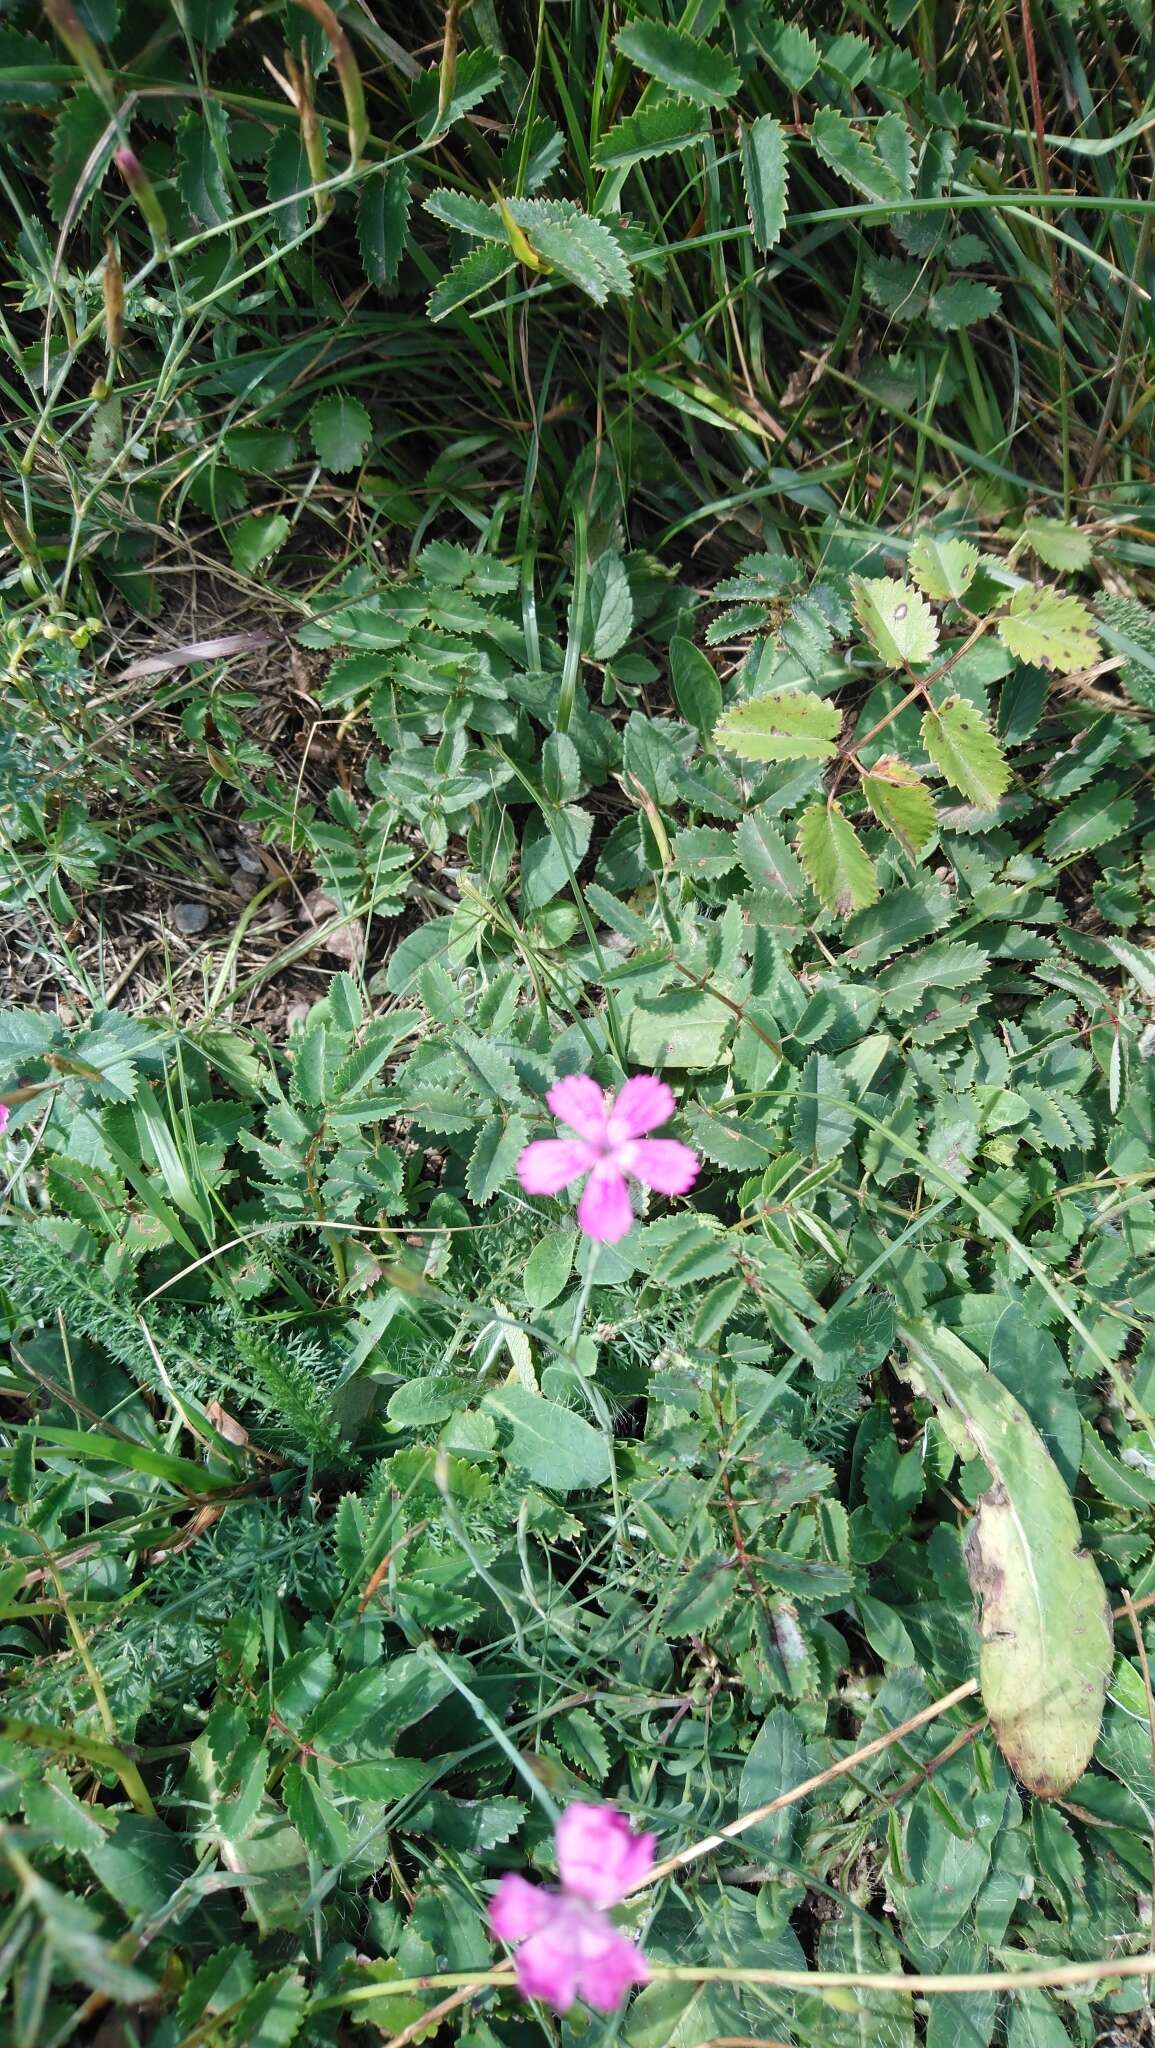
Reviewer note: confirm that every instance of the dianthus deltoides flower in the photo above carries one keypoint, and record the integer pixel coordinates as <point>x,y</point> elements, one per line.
<point>610,1146</point>
<point>568,1947</point>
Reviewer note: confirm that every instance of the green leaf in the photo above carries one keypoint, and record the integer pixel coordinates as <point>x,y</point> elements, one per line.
<point>383,224</point>
<point>548,1267</point>
<point>256,539</point>
<point>494,1156</point>
<point>209,21</point>
<point>1059,544</point>
<point>1129,628</point>
<point>609,608</point>
<point>901,801</point>
<point>1050,630</point>
<point>763,152</point>
<point>696,685</point>
<point>775,1764</point>
<point>341,431</point>
<point>202,144</point>
<point>652,131</point>
<point>680,62</point>
<point>478,272</point>
<point>580,248</point>
<point>287,181</point>
<point>273,2014</point>
<point>788,49</point>
<point>1046,1633</point>
<point>787,725</point>
<point>1094,818</point>
<point>943,568</point>
<point>80,127</point>
<point>1139,963</point>
<point>961,303</point>
<point>557,1448</point>
<point>964,750</point>
<point>856,159</point>
<point>1031,1367</point>
<point>835,861</point>
<point>465,214</point>
<point>897,620</point>
<point>769,863</point>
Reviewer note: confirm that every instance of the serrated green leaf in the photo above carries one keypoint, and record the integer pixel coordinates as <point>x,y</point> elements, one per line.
<point>856,159</point>
<point>896,618</point>
<point>1094,818</point>
<point>383,224</point>
<point>964,750</point>
<point>494,1156</point>
<point>787,725</point>
<point>953,964</point>
<point>272,2015</point>
<point>209,21</point>
<point>768,861</point>
<point>573,243</point>
<point>961,303</point>
<point>696,685</point>
<point>1050,629</point>
<point>943,568</point>
<point>763,151</point>
<point>465,214</point>
<point>341,431</point>
<point>788,49</point>
<point>652,131</point>
<point>609,608</point>
<point>287,181</point>
<point>478,272</point>
<point>1129,629</point>
<point>901,801</point>
<point>82,135</point>
<point>1059,544</point>
<point>835,861</point>
<point>202,143</point>
<point>680,62</point>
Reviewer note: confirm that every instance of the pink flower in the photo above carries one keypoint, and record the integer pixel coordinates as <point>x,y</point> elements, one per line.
<point>569,1947</point>
<point>611,1147</point>
<point>3,1118</point>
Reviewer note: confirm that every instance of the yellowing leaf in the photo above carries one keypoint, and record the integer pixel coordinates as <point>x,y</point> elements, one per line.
<point>963,748</point>
<point>836,862</point>
<point>896,618</point>
<point>901,801</point>
<point>1050,630</point>
<point>1047,1643</point>
<point>943,568</point>
<point>788,725</point>
<point>1058,544</point>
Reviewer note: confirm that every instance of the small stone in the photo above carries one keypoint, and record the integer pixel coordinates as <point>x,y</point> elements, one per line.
<point>190,918</point>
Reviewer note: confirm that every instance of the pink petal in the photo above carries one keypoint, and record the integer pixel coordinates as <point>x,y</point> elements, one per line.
<point>662,1163</point>
<point>547,1966</point>
<point>549,1164</point>
<point>643,1104</point>
<point>3,1117</point>
<point>518,1909</point>
<point>604,1212</point>
<point>603,1980</point>
<point>577,1100</point>
<point>598,1854</point>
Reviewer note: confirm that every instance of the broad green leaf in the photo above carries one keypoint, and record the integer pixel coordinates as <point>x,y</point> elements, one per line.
<point>256,539</point>
<point>897,620</point>
<point>287,182</point>
<point>1046,1632</point>
<point>788,725</point>
<point>964,750</point>
<point>652,131</point>
<point>1099,815</point>
<point>609,608</point>
<point>962,303</point>
<point>901,801</point>
<point>776,1762</point>
<point>1050,629</point>
<point>696,685</point>
<point>549,1266</point>
<point>341,430</point>
<point>383,223</point>
<point>1059,544</point>
<point>680,62</point>
<point>763,151</point>
<point>558,1449</point>
<point>209,21</point>
<point>943,568</point>
<point>835,861</point>
<point>1030,1365</point>
<point>856,159</point>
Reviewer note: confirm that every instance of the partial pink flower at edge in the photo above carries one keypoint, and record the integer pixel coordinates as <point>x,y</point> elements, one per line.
<point>3,1118</point>
<point>611,1147</point>
<point>567,1946</point>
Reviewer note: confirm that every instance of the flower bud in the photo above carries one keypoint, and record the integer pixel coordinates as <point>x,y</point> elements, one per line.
<point>144,192</point>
